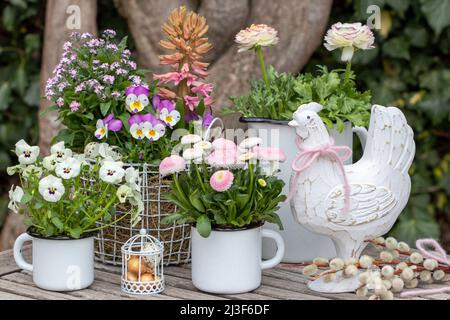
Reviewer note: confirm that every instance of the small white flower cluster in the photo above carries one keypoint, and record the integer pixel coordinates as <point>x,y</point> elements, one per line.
<point>396,269</point>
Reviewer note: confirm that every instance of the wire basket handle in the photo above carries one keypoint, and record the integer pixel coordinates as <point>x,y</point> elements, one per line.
<point>208,130</point>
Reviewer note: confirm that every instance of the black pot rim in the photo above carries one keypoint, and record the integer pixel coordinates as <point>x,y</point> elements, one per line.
<point>34,234</point>
<point>263,120</point>
<point>249,227</point>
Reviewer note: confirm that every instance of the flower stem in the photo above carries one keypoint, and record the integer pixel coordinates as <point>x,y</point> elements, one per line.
<point>199,177</point>
<point>348,70</point>
<point>265,77</point>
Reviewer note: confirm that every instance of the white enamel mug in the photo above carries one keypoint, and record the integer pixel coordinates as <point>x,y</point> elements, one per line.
<point>58,264</point>
<point>229,261</point>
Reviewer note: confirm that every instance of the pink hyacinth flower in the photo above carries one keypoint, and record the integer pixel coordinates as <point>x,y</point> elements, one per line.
<point>202,88</point>
<point>191,102</point>
<point>224,144</point>
<point>269,154</point>
<point>221,180</point>
<point>171,165</point>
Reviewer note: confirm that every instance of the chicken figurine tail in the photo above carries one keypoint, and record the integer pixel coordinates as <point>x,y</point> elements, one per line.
<point>350,203</point>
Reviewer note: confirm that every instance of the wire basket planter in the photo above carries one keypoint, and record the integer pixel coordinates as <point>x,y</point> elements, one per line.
<point>142,267</point>
<point>176,239</point>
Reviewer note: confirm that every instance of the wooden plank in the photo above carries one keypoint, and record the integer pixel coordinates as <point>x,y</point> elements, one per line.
<point>11,296</point>
<point>32,291</point>
<point>279,294</point>
<point>7,263</point>
<point>175,287</point>
<point>87,294</point>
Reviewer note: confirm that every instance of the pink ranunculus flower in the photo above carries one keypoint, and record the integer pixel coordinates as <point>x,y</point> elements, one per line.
<point>221,180</point>
<point>257,35</point>
<point>269,154</point>
<point>349,36</point>
<point>171,165</point>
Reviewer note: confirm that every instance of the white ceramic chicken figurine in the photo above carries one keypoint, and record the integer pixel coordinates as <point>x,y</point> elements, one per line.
<point>379,184</point>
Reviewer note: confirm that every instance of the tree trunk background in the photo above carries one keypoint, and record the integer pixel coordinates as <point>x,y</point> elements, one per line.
<point>55,34</point>
<point>300,23</point>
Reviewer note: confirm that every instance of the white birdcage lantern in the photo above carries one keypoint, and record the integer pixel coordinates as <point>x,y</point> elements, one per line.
<point>142,265</point>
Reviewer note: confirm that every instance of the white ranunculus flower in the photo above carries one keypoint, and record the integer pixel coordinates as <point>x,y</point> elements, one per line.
<point>112,171</point>
<point>60,151</point>
<point>32,171</point>
<point>124,192</point>
<point>51,188</point>
<point>349,36</point>
<point>257,35</point>
<point>68,168</point>
<point>132,178</point>
<point>50,162</point>
<point>15,196</point>
<point>26,153</point>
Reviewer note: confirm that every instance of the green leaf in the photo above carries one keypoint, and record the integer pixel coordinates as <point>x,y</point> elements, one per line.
<point>203,226</point>
<point>437,14</point>
<point>26,198</point>
<point>21,80</point>
<point>75,232</point>
<point>9,17</point>
<point>104,107</point>
<point>397,48</point>
<point>5,93</point>
<point>58,223</point>
<point>194,198</point>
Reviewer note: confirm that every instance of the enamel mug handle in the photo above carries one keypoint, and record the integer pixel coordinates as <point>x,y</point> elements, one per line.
<point>18,257</point>
<point>280,249</point>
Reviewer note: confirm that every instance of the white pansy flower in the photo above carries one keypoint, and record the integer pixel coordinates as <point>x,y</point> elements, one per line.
<point>112,172</point>
<point>51,188</point>
<point>14,169</point>
<point>68,169</point>
<point>137,131</point>
<point>124,192</point>
<point>154,132</point>
<point>349,36</point>
<point>15,196</point>
<point>101,129</point>
<point>257,35</point>
<point>32,171</point>
<point>60,151</point>
<point>110,152</point>
<point>190,139</point>
<point>192,154</point>
<point>170,118</point>
<point>132,178</point>
<point>50,162</point>
<point>26,153</point>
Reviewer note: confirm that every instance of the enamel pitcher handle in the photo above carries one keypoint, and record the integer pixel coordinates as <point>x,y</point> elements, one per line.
<point>18,257</point>
<point>280,249</point>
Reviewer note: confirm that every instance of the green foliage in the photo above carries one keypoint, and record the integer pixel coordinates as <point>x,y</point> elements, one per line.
<point>20,45</point>
<point>245,203</point>
<point>341,100</point>
<point>410,69</point>
<point>81,206</point>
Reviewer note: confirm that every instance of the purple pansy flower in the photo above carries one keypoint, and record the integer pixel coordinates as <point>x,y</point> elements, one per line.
<point>207,119</point>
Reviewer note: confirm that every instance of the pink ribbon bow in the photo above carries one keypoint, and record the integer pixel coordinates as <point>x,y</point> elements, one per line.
<point>306,157</point>
<point>431,249</point>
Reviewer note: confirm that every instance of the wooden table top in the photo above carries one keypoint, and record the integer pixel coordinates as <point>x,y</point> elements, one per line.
<point>281,283</point>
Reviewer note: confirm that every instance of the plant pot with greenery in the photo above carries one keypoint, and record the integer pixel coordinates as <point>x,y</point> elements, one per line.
<point>269,106</point>
<point>64,197</point>
<point>226,196</point>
